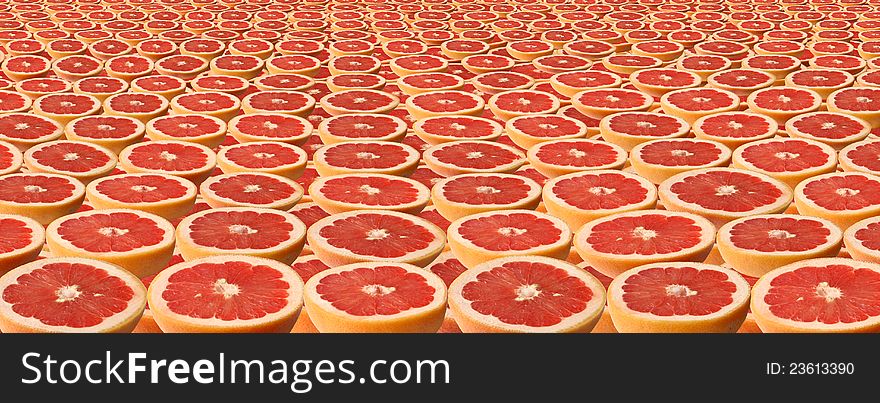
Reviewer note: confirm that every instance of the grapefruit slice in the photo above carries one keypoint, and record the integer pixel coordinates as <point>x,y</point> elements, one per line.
<point>658,81</point>
<point>468,156</point>
<point>355,81</point>
<point>658,160</point>
<point>466,194</point>
<point>529,130</point>
<point>598,103</point>
<point>529,50</point>
<point>742,82</point>
<point>629,129</point>
<point>78,296</point>
<point>263,233</point>
<point>724,194</point>
<point>666,51</point>
<point>184,67</point>
<point>843,198</point>
<point>348,192</point>
<point>63,108</point>
<point>758,244</point>
<point>378,297</point>
<point>272,157</point>
<point>382,157</point>
<point>581,197</point>
<point>838,130</point>
<point>361,127</point>
<point>359,101</point>
<point>33,88</point>
<point>693,103</point>
<point>226,294</point>
<point>80,160</point>
<point>139,242</point>
<point>211,103</point>
<point>40,196</point>
<point>526,294</point>
<point>510,104</point>
<point>229,84</point>
<point>190,161</point>
<point>21,241</point>
<point>862,156</point>
<point>251,189</point>
<point>100,87</point>
<point>167,196</point>
<point>786,159</point>
<point>824,82</point>
<point>375,236</point>
<point>734,129</point>
<point>270,127</point>
<point>442,129</point>
<point>628,64</point>
<point>245,66</point>
<point>622,241</point>
<point>167,87</point>
<point>414,84</point>
<point>829,295</point>
<point>783,103</point>
<point>560,157</point>
<point>24,130</point>
<point>142,106</point>
<point>11,158</point>
<point>444,103</point>
<point>703,65</point>
<point>17,101</point>
<point>570,83</point>
<point>18,68</point>
<point>678,298</point>
<point>861,240</point>
<point>555,64</point>
<point>206,130</point>
<point>478,238</point>
<point>406,65</point>
<point>501,81</point>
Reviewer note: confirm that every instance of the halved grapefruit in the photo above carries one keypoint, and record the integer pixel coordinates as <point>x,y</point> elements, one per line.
<point>375,236</point>
<point>693,103</point>
<point>24,130</point>
<point>861,240</point>
<point>206,130</point>
<point>366,157</point>
<point>444,103</point>
<point>598,103</point>
<point>212,103</point>
<point>560,157</point>
<point>757,244</point>
<point>467,194</point>
<point>658,160</point>
<point>678,298</point>
<point>843,198</point>
<point>190,161</point>
<point>11,158</point>
<point>629,129</point>
<point>529,130</point>
<point>734,129</point>
<point>273,157</point>
<point>481,237</point>
<point>361,127</point>
<point>167,196</point>
<point>510,104</point>
<point>251,189</point>
<point>836,129</point>
<point>359,101</point>
<point>41,196</point>
<point>139,242</point>
<point>142,106</point>
<point>257,232</point>
<point>63,108</point>
<point>21,241</point>
<point>526,294</point>
<point>80,160</point>
<point>226,294</point>
<point>70,295</point>
<point>619,242</point>
<point>724,194</point>
<point>862,156</point>
<point>581,197</point>
<point>443,129</point>
<point>469,156</point>
<point>270,127</point>
<point>828,295</point>
<point>378,297</point>
<point>790,160</point>
<point>783,103</point>
<point>348,192</point>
